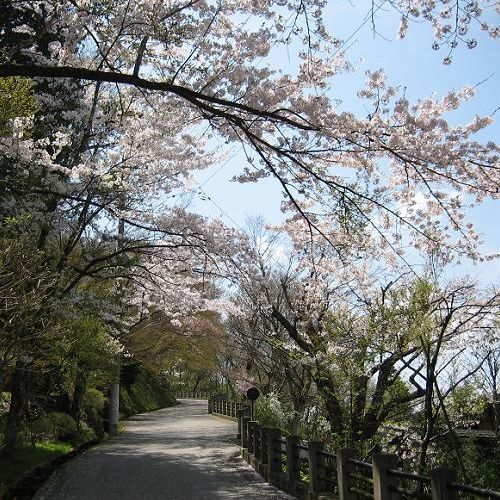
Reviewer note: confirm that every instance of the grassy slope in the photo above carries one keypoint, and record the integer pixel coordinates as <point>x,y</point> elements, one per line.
<point>28,458</point>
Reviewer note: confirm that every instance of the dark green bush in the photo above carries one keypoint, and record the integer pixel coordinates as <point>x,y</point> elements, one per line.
<point>93,405</point>
<point>63,425</point>
<point>51,426</point>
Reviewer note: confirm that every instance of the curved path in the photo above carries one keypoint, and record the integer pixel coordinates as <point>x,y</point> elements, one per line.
<point>174,453</point>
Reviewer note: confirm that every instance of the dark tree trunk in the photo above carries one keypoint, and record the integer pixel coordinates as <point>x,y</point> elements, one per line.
<point>332,404</point>
<point>3,375</point>
<point>78,394</point>
<point>198,380</point>
<point>298,389</point>
<point>358,406</point>
<point>18,398</point>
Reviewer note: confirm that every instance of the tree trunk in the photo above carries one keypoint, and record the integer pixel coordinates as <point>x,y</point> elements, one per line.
<point>332,404</point>
<point>78,394</point>
<point>3,373</point>
<point>198,380</point>
<point>298,389</point>
<point>19,392</point>
<point>359,389</point>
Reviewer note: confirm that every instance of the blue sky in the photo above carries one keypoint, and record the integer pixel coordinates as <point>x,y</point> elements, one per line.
<point>410,63</point>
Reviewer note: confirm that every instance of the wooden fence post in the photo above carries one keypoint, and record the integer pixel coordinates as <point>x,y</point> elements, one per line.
<point>257,445</point>
<point>316,481</point>
<point>239,416</point>
<point>273,457</point>
<point>263,444</point>
<point>382,480</point>
<point>244,431</point>
<point>343,470</point>
<point>210,405</point>
<point>250,432</point>
<point>261,452</point>
<point>292,462</point>
<point>243,412</point>
<point>439,484</point>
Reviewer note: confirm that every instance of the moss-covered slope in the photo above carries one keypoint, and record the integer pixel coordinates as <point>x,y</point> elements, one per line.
<point>142,390</point>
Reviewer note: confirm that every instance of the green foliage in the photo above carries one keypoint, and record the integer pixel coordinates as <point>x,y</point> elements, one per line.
<point>314,426</point>
<point>160,346</point>
<point>84,341</point>
<point>148,392</point>
<point>397,390</point>
<point>465,407</point>
<point>480,457</point>
<point>94,400</point>
<point>17,99</point>
<point>52,426</point>
<point>83,435</point>
<point>39,430</point>
<point>62,424</point>
<point>482,463</point>
<point>270,411</point>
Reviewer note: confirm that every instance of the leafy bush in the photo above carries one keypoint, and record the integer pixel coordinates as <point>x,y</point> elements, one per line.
<point>39,430</point>
<point>94,400</point>
<point>482,463</point>
<point>63,425</point>
<point>93,405</point>
<point>270,411</point>
<point>83,435</point>
<point>51,426</point>
<point>314,426</point>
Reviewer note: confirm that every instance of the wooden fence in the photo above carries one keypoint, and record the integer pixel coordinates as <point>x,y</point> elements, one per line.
<point>192,395</point>
<point>226,408</point>
<point>310,471</point>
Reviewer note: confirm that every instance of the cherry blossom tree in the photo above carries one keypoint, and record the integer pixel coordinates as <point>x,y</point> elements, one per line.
<point>77,201</point>
<point>133,98</point>
<point>454,23</point>
<point>195,68</point>
<point>374,340</point>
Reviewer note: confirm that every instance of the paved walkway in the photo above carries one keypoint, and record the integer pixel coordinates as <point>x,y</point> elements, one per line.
<point>174,453</point>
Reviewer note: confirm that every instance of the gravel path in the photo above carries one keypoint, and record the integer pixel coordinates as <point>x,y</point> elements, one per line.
<point>174,453</point>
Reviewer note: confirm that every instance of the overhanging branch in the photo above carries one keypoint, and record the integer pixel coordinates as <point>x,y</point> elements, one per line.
<point>194,97</point>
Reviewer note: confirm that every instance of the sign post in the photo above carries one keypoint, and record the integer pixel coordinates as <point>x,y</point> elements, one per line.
<point>252,394</point>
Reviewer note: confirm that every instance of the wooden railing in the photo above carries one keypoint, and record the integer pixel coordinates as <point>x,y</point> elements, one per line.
<point>311,471</point>
<point>192,395</point>
<point>226,408</point>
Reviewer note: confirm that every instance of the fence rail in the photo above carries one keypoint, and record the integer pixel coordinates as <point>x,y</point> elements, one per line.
<point>310,471</point>
<point>192,395</point>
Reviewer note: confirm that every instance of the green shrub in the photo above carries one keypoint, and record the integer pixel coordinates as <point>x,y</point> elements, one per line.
<point>51,426</point>
<point>83,435</point>
<point>93,400</point>
<point>63,425</point>
<point>93,405</point>
<point>270,411</point>
<point>39,430</point>
<point>313,425</point>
